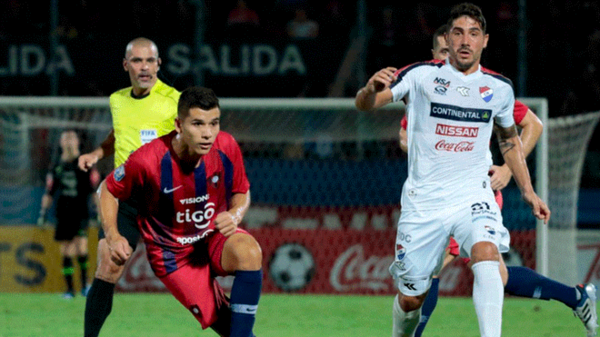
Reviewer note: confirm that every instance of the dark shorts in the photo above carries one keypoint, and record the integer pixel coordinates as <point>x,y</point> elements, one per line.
<point>126,224</point>
<point>67,229</point>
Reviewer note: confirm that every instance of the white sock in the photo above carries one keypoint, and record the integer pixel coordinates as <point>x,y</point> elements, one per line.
<point>405,323</point>
<point>488,297</point>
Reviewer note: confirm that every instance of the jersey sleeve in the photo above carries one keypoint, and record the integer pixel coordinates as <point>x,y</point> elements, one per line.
<point>520,111</point>
<point>505,118</point>
<point>123,180</point>
<point>403,84</point>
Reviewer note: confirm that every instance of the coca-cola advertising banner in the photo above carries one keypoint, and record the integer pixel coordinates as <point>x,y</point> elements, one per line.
<point>344,260</point>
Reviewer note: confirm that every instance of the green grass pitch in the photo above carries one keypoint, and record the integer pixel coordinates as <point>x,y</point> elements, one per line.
<point>148,315</point>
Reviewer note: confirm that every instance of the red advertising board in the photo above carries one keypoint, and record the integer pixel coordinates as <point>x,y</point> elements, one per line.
<point>350,258</point>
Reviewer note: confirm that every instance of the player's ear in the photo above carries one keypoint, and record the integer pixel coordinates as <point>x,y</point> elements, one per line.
<point>159,61</point>
<point>125,65</point>
<point>178,125</point>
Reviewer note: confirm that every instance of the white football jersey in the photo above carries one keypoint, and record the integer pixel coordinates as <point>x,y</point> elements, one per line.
<point>450,121</point>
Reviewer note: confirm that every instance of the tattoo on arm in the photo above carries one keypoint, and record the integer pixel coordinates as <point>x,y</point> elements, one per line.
<point>504,138</point>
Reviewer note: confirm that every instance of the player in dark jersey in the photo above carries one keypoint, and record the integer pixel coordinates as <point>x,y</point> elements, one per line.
<point>71,188</point>
<point>192,192</point>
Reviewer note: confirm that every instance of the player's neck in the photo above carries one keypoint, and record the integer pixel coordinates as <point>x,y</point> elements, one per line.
<point>473,68</point>
<point>140,92</point>
<point>187,157</point>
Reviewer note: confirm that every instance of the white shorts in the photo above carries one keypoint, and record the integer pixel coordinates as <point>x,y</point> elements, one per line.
<point>423,236</point>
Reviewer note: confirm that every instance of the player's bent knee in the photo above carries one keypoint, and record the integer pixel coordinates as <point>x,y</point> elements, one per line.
<point>484,251</point>
<point>411,303</point>
<point>241,252</point>
<point>107,270</point>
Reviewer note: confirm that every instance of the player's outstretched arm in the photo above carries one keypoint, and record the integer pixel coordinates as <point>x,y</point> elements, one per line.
<point>86,161</point>
<point>377,92</point>
<point>512,151</point>
<point>118,246</point>
<point>532,128</point>
<point>227,222</point>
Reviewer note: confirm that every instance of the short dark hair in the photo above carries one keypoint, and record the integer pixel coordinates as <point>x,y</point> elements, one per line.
<point>196,97</point>
<point>439,32</point>
<point>470,10</point>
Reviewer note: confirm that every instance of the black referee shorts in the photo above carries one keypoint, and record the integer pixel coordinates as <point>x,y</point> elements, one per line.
<point>126,224</point>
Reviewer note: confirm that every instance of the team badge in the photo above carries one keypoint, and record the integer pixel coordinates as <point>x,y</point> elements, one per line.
<point>490,230</point>
<point>400,252</point>
<point>486,93</point>
<point>214,180</point>
<point>119,173</point>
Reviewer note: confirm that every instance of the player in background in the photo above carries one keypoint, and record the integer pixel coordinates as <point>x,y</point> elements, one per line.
<point>71,188</point>
<point>140,113</point>
<point>447,192</point>
<point>518,281</point>
<point>192,192</point>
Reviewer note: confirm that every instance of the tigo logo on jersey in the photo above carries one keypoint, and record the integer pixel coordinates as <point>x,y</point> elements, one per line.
<point>400,252</point>
<point>486,93</point>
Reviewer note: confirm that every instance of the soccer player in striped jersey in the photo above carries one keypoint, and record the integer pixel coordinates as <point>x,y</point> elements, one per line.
<point>191,191</point>
<point>517,280</point>
<point>452,107</point>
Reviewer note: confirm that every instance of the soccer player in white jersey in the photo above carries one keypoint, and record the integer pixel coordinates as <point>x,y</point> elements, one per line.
<point>518,280</point>
<point>452,107</point>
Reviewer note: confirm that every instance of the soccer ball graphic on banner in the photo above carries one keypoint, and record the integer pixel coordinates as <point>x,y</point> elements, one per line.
<point>292,267</point>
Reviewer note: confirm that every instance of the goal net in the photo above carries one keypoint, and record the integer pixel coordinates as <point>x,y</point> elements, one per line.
<point>568,139</point>
<point>326,181</point>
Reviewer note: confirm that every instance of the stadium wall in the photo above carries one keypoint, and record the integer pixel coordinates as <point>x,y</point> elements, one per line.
<point>348,252</point>
<point>30,260</point>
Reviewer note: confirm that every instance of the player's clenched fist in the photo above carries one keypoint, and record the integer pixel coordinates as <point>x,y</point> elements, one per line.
<point>119,249</point>
<point>382,79</point>
<point>86,161</point>
<point>226,223</point>
<point>538,207</point>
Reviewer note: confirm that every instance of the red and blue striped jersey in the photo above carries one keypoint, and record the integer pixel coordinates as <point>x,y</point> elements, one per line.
<point>177,208</point>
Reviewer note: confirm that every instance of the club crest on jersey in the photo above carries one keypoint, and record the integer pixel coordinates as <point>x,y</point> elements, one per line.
<point>119,173</point>
<point>400,252</point>
<point>490,230</point>
<point>214,180</point>
<point>486,93</point>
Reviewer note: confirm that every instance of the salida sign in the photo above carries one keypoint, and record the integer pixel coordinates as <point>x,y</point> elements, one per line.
<point>30,59</point>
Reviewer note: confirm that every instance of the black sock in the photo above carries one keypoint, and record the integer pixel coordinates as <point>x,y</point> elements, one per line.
<point>67,272</point>
<point>83,266</point>
<point>97,306</point>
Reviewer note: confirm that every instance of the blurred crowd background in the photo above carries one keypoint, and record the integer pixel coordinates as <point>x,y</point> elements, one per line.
<point>562,37</point>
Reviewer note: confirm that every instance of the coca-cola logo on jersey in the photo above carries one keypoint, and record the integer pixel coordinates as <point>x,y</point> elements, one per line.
<point>463,146</point>
<point>353,271</point>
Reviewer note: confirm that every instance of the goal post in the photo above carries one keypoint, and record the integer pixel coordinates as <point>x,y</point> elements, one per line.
<point>292,139</point>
